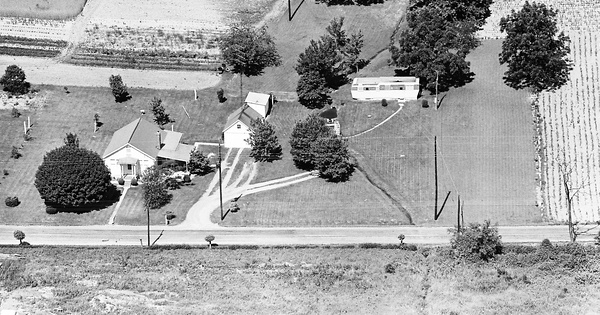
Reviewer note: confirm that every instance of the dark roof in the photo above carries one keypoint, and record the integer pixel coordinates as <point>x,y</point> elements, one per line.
<point>244,114</point>
<point>330,113</point>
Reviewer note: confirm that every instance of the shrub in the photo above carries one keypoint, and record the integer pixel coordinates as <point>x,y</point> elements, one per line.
<point>209,239</point>
<point>384,102</point>
<point>134,182</point>
<point>15,112</point>
<point>172,183</point>
<point>389,268</point>
<point>220,96</point>
<point>476,241</point>
<point>12,201</point>
<point>14,153</point>
<point>19,235</point>
<point>51,210</point>
<point>121,181</point>
<point>170,216</point>
<point>546,243</point>
<point>401,238</point>
<point>369,245</point>
<point>5,172</point>
<point>424,103</point>
<point>186,178</point>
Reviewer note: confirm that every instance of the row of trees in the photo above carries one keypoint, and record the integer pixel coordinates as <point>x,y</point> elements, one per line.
<point>325,64</point>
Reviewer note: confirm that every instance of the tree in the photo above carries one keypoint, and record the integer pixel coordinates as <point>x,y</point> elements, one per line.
<point>476,241</point>
<point>263,142</point>
<point>322,57</point>
<point>19,235</point>
<point>72,140</point>
<point>119,89</point>
<point>313,91</point>
<point>14,82</point>
<point>351,53</point>
<point>435,45</point>
<point>154,189</point>
<point>209,239</point>
<point>331,158</point>
<point>462,10</point>
<point>536,54</point>
<point>70,176</point>
<point>304,134</point>
<point>15,153</point>
<point>199,163</point>
<point>161,118</point>
<point>248,51</point>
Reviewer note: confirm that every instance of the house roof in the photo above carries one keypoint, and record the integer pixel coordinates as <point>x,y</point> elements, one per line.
<point>330,113</point>
<point>257,98</point>
<point>180,153</point>
<point>244,114</point>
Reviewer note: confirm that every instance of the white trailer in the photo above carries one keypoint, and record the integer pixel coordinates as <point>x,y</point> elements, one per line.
<point>385,88</point>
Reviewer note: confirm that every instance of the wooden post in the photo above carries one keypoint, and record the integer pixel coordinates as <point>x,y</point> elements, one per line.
<point>28,122</point>
<point>195,95</point>
<point>458,215</point>
<point>148,217</point>
<point>24,127</point>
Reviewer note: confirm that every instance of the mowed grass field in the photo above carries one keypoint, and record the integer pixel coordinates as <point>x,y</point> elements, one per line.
<point>42,9</point>
<point>74,112</point>
<point>319,280</point>
<point>485,150</point>
<point>376,22</point>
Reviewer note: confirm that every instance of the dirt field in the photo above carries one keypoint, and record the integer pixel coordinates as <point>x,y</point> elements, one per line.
<point>47,71</point>
<point>42,9</point>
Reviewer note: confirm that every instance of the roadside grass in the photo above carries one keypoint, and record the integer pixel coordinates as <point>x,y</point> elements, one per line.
<point>74,112</point>
<point>356,117</point>
<point>485,150</point>
<point>47,9</point>
<point>317,203</point>
<point>323,279</point>
<point>376,22</point>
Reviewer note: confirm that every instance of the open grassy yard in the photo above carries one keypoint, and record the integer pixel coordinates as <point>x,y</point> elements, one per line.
<point>74,112</point>
<point>376,22</point>
<point>42,9</point>
<point>485,150</point>
<point>318,280</point>
<point>317,203</point>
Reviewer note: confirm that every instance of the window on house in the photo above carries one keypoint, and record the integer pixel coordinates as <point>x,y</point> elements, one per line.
<point>354,88</point>
<point>384,87</point>
<point>397,87</point>
<point>239,126</point>
<point>129,167</point>
<point>370,88</point>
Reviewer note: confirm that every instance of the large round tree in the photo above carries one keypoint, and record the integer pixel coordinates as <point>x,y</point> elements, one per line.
<point>13,80</point>
<point>71,176</point>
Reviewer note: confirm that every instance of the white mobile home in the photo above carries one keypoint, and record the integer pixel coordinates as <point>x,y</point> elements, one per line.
<point>385,88</point>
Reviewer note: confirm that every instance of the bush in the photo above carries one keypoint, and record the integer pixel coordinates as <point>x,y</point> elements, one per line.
<point>424,103</point>
<point>170,216</point>
<point>5,172</point>
<point>389,268</point>
<point>546,243</point>
<point>134,182</point>
<point>384,102</point>
<point>121,181</point>
<point>220,96</point>
<point>15,113</point>
<point>51,210</point>
<point>172,183</point>
<point>476,241</point>
<point>14,153</point>
<point>186,178</point>
<point>12,201</point>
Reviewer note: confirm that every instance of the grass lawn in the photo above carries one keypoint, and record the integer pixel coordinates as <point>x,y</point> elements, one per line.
<point>484,132</point>
<point>319,280</point>
<point>74,112</point>
<point>376,22</point>
<point>317,203</point>
<point>42,9</point>
<point>132,210</point>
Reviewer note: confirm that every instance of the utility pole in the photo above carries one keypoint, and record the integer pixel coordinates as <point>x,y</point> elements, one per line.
<point>437,74</point>
<point>436,175</point>
<point>220,185</point>
<point>458,215</point>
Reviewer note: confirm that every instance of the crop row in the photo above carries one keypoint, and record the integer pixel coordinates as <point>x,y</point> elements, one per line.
<point>30,52</point>
<point>123,61</point>
<point>24,41</point>
<point>570,136</point>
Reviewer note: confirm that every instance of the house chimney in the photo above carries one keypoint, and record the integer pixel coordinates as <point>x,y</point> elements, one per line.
<point>159,139</point>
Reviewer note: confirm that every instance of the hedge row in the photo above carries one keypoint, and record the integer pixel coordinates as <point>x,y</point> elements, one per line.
<point>18,51</point>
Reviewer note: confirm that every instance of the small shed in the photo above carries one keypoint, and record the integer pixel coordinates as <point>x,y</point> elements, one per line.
<point>237,128</point>
<point>260,102</point>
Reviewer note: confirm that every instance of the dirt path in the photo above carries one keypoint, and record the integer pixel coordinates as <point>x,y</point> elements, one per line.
<point>49,71</point>
<point>77,31</point>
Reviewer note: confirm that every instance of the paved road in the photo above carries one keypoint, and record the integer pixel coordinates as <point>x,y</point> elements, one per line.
<point>127,235</point>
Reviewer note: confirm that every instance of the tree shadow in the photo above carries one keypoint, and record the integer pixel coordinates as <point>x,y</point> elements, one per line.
<point>111,197</point>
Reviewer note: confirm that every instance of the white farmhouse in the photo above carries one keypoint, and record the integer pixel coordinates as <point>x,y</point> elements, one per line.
<point>385,88</point>
<point>141,144</point>
<point>238,126</point>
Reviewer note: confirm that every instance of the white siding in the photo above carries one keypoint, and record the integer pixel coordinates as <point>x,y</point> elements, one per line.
<point>112,161</point>
<point>234,137</point>
<point>261,109</point>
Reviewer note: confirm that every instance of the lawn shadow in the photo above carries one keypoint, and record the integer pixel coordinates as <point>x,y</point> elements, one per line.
<point>111,197</point>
